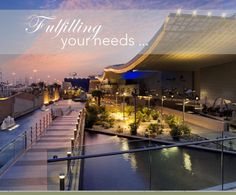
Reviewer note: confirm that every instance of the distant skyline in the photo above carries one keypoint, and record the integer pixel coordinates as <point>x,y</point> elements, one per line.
<point>84,62</point>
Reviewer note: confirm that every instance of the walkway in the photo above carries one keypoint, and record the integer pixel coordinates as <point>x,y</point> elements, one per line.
<point>31,171</point>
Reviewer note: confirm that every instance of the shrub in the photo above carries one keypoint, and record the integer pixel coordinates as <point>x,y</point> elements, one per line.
<point>175,133</point>
<point>129,110</point>
<point>155,114</point>
<point>104,118</point>
<point>91,116</point>
<point>185,130</point>
<point>139,116</point>
<point>133,128</point>
<point>101,109</point>
<point>178,131</point>
<point>146,111</point>
<point>172,120</point>
<point>119,129</point>
<point>155,128</point>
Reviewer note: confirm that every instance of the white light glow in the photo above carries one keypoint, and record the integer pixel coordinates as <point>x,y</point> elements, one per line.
<point>209,14</point>
<point>194,12</point>
<point>179,11</point>
<point>14,127</point>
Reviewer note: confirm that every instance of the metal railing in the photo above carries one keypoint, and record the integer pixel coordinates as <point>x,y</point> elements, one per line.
<point>69,176</point>
<point>150,148</point>
<point>13,150</point>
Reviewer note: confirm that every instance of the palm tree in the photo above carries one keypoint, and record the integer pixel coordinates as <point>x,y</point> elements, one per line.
<point>98,94</point>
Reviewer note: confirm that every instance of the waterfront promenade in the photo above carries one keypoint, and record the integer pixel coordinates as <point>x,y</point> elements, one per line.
<point>31,171</point>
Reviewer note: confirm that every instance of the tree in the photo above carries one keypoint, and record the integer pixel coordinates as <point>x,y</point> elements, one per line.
<point>98,94</point>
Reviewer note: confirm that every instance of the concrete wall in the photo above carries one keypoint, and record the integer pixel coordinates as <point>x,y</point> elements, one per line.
<point>19,105</point>
<point>218,81</point>
<point>6,108</point>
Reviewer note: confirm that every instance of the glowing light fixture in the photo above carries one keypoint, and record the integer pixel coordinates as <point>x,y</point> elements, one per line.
<point>223,15</point>
<point>194,12</point>
<point>179,11</point>
<point>209,14</point>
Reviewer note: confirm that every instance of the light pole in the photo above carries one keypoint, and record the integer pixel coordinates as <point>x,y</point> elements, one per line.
<point>123,105</point>
<point>163,98</point>
<point>48,78</point>
<point>196,101</point>
<point>135,94</point>
<point>31,80</point>
<point>117,93</point>
<point>185,101</point>
<point>149,100</point>
<point>35,71</point>
<point>13,78</point>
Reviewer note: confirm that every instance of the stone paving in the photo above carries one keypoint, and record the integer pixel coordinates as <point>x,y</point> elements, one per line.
<point>31,172</point>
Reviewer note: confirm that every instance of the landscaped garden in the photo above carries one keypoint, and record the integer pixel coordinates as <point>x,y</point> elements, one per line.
<point>150,122</point>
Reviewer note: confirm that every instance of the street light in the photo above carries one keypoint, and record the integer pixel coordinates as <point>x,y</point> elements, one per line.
<point>185,101</point>
<point>123,105</point>
<point>149,100</point>
<point>14,78</point>
<point>117,93</point>
<point>163,98</point>
<point>31,80</point>
<point>135,94</point>
<point>35,71</point>
<point>48,78</point>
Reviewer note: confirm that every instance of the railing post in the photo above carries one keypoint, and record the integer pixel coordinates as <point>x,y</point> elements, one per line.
<point>72,144</point>
<point>25,137</point>
<point>62,181</point>
<point>40,127</point>
<point>75,133</point>
<point>31,134</point>
<point>36,131</point>
<point>68,162</point>
<point>46,121</point>
<point>222,162</point>
<point>44,125</point>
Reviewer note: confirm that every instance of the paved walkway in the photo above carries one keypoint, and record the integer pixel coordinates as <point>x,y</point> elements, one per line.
<point>31,171</point>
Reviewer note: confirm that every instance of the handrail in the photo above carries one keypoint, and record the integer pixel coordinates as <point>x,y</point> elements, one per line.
<point>18,136</point>
<point>139,150</point>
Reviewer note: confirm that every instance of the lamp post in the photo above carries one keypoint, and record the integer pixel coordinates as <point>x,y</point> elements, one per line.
<point>13,78</point>
<point>135,94</point>
<point>117,93</point>
<point>48,78</point>
<point>195,102</point>
<point>163,98</point>
<point>62,181</point>
<point>123,105</point>
<point>35,71</point>
<point>185,101</point>
<point>149,100</point>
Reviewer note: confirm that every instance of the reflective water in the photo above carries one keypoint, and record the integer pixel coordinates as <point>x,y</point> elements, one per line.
<point>24,122</point>
<point>167,169</point>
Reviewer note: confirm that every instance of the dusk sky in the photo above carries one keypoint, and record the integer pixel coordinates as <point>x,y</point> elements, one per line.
<point>90,61</point>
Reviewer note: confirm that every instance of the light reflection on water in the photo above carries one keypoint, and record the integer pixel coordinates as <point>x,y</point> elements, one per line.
<point>129,157</point>
<point>187,162</point>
